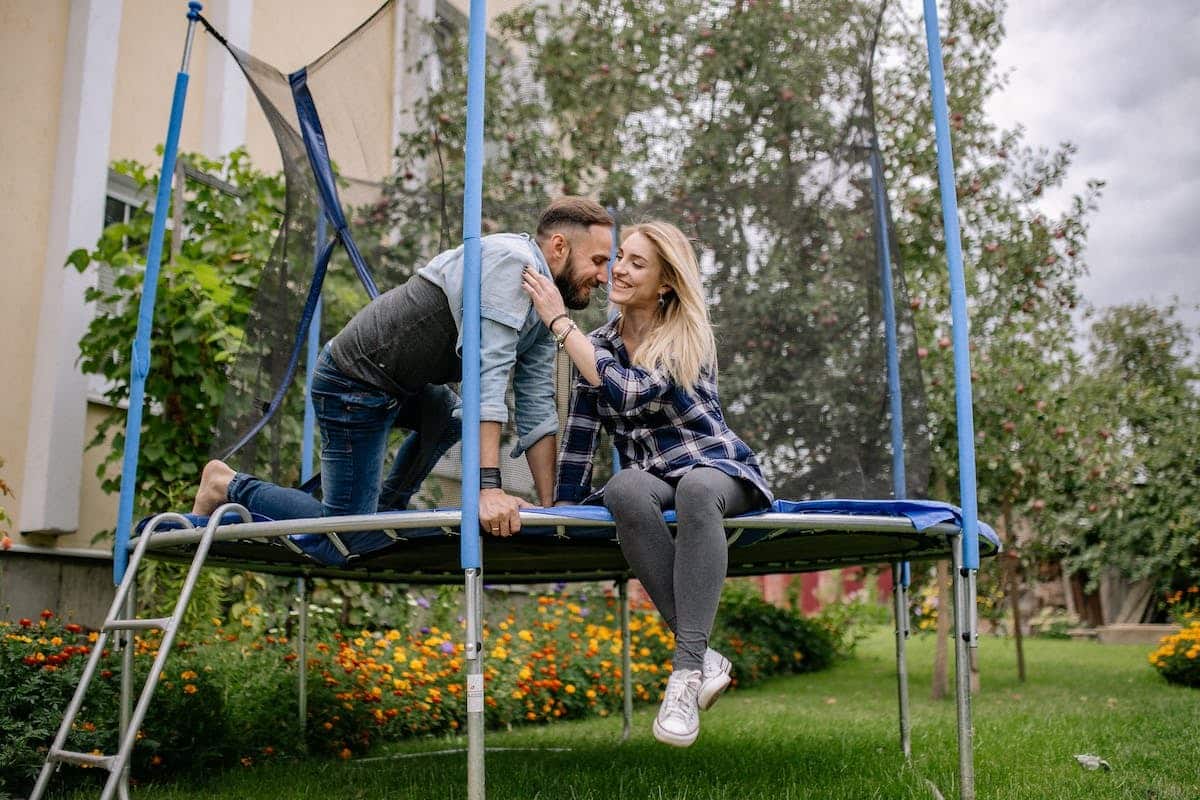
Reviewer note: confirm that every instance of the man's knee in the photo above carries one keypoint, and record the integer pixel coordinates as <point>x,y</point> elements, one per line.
<point>438,404</point>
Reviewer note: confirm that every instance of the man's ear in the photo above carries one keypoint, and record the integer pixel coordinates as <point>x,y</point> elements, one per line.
<point>556,250</point>
<point>559,244</point>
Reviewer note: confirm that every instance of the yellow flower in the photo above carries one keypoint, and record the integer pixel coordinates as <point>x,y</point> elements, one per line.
<point>525,636</point>
<point>187,675</point>
<point>499,652</point>
<point>570,688</point>
<point>189,688</point>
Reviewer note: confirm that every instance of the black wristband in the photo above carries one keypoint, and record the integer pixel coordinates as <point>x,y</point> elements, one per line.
<point>550,327</point>
<point>489,478</point>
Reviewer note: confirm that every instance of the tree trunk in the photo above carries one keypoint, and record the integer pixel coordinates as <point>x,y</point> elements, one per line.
<point>945,609</point>
<point>1012,573</point>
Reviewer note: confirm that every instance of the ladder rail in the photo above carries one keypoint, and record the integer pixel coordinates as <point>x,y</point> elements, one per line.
<point>121,618</point>
<point>93,662</point>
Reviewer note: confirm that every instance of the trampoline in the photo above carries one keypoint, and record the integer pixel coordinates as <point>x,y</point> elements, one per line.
<point>867,438</point>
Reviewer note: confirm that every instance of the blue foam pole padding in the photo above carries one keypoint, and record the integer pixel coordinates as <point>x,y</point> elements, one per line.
<point>958,294</point>
<point>472,220</point>
<point>140,362</point>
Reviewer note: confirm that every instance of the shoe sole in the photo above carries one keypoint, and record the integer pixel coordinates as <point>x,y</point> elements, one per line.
<point>710,690</point>
<point>673,739</point>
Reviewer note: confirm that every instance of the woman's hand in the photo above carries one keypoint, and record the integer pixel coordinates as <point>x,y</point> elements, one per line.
<point>548,303</point>
<point>547,300</point>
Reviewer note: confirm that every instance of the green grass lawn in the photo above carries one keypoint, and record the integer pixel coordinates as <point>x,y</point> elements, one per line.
<point>830,735</point>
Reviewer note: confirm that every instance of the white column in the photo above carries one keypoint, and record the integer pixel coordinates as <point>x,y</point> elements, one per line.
<point>54,452</point>
<point>224,84</point>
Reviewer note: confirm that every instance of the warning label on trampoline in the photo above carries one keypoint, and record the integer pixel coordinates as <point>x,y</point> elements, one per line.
<point>475,694</point>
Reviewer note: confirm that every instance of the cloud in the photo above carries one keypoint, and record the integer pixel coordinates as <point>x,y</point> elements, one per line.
<point>1122,83</point>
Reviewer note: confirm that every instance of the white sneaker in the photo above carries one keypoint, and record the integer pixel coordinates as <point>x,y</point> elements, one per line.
<point>678,720</point>
<point>716,678</point>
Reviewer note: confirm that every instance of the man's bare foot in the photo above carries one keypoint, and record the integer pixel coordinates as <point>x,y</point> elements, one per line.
<point>214,487</point>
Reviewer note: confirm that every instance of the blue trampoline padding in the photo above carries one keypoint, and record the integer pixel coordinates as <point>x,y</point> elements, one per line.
<point>922,514</point>
<point>200,521</point>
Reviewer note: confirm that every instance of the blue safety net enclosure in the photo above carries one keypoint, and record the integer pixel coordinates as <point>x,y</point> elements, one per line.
<point>768,160</point>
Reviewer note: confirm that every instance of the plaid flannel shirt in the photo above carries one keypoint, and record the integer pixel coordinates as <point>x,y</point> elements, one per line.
<point>656,426</point>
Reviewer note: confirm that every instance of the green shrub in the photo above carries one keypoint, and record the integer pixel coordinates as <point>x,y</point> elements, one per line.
<point>217,702</point>
<point>761,639</point>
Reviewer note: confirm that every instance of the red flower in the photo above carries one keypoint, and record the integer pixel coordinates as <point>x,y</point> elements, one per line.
<point>47,614</point>
<point>25,622</point>
<point>74,628</point>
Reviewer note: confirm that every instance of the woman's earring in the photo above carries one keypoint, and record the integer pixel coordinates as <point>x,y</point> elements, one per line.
<point>662,301</point>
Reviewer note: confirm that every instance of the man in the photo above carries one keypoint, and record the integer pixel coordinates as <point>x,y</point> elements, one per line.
<point>389,368</point>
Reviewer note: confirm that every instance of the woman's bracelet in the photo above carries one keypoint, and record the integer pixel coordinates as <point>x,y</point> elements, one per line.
<point>561,339</point>
<point>550,327</point>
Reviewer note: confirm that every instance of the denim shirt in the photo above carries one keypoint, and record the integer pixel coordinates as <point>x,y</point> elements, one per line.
<point>512,336</point>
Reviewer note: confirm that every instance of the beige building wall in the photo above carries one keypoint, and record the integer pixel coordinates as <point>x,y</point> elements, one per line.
<point>35,54</point>
<point>32,50</point>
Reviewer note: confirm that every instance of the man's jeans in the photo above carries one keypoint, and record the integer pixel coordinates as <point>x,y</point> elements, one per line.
<point>356,420</point>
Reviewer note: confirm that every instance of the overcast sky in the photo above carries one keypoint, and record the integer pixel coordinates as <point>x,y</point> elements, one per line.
<point>1121,80</point>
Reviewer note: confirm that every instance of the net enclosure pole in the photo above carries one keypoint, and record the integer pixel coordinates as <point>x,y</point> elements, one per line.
<point>307,459</point>
<point>896,406</point>
<point>469,541</point>
<point>140,357</point>
<point>966,561</point>
<point>958,296</point>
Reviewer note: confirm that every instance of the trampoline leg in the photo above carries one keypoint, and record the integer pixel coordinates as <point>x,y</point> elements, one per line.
<point>626,661</point>
<point>474,662</point>
<point>964,635</point>
<point>126,685</point>
<point>302,659</point>
<point>900,608</point>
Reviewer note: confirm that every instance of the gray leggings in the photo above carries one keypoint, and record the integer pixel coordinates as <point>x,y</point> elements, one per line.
<point>687,589</point>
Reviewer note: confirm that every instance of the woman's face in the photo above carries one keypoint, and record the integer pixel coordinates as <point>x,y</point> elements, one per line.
<point>637,274</point>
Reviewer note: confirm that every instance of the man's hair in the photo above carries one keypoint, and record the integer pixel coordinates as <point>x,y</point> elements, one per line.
<point>573,212</point>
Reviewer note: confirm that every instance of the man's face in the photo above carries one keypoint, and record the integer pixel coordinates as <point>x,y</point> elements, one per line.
<point>586,265</point>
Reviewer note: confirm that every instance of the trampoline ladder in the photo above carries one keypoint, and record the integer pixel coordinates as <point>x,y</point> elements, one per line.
<point>120,618</point>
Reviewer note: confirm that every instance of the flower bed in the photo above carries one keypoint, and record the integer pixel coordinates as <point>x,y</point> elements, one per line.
<point>1177,657</point>
<point>227,697</point>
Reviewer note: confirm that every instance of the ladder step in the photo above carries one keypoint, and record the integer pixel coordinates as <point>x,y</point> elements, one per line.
<point>82,759</point>
<point>137,624</point>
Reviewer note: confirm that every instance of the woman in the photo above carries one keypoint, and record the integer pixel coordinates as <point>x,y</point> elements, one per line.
<point>649,377</point>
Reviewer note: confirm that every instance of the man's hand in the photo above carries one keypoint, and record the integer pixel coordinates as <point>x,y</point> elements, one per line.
<point>500,513</point>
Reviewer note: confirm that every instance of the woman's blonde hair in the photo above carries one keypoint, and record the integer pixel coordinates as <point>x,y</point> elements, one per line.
<point>681,342</point>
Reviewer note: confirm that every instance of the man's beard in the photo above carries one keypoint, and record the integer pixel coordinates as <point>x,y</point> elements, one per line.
<point>576,296</point>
